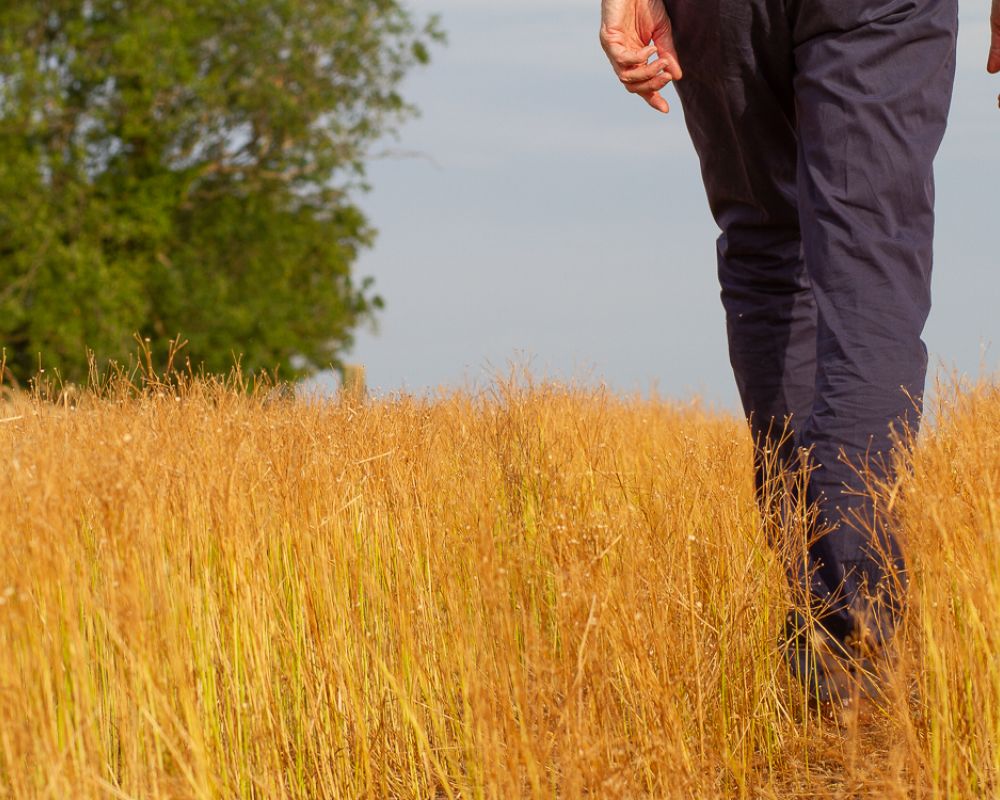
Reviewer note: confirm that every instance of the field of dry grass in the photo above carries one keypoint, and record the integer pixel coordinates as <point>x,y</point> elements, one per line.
<point>530,592</point>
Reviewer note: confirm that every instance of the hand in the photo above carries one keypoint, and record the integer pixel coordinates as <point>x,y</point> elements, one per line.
<point>627,27</point>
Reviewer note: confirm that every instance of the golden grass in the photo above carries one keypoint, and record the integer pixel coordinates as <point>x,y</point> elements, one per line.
<point>536,591</point>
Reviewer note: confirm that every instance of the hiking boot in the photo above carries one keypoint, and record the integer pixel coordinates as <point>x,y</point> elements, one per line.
<point>838,678</point>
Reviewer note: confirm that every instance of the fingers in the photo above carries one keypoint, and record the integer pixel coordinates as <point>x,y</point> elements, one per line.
<point>649,86</point>
<point>657,102</point>
<point>643,77</point>
<point>647,82</point>
<point>645,72</point>
<point>623,58</point>
<point>646,79</point>
<point>664,42</point>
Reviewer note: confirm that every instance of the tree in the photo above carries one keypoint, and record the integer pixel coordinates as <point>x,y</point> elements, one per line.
<point>187,166</point>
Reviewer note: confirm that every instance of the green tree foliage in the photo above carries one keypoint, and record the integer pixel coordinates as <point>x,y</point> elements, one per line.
<point>187,166</point>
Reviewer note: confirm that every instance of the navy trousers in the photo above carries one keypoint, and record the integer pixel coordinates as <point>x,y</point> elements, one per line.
<point>816,123</point>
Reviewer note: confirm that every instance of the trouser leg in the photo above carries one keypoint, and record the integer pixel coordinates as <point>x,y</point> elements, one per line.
<point>739,108</point>
<point>872,90</point>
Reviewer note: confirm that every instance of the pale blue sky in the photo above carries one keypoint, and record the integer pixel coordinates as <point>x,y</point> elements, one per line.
<point>553,217</point>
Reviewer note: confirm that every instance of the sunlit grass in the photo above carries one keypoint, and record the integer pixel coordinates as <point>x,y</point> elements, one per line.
<point>535,591</point>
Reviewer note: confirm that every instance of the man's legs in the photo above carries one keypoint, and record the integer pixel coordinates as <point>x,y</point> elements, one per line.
<point>825,323</point>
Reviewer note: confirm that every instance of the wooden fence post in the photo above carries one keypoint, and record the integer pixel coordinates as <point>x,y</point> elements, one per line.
<point>353,383</point>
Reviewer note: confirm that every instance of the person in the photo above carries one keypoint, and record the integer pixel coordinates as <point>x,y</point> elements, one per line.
<point>816,123</point>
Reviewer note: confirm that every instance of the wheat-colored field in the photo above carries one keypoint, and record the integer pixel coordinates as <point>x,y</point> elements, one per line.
<point>532,591</point>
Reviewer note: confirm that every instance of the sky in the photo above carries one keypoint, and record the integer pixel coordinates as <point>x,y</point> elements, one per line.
<point>536,213</point>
